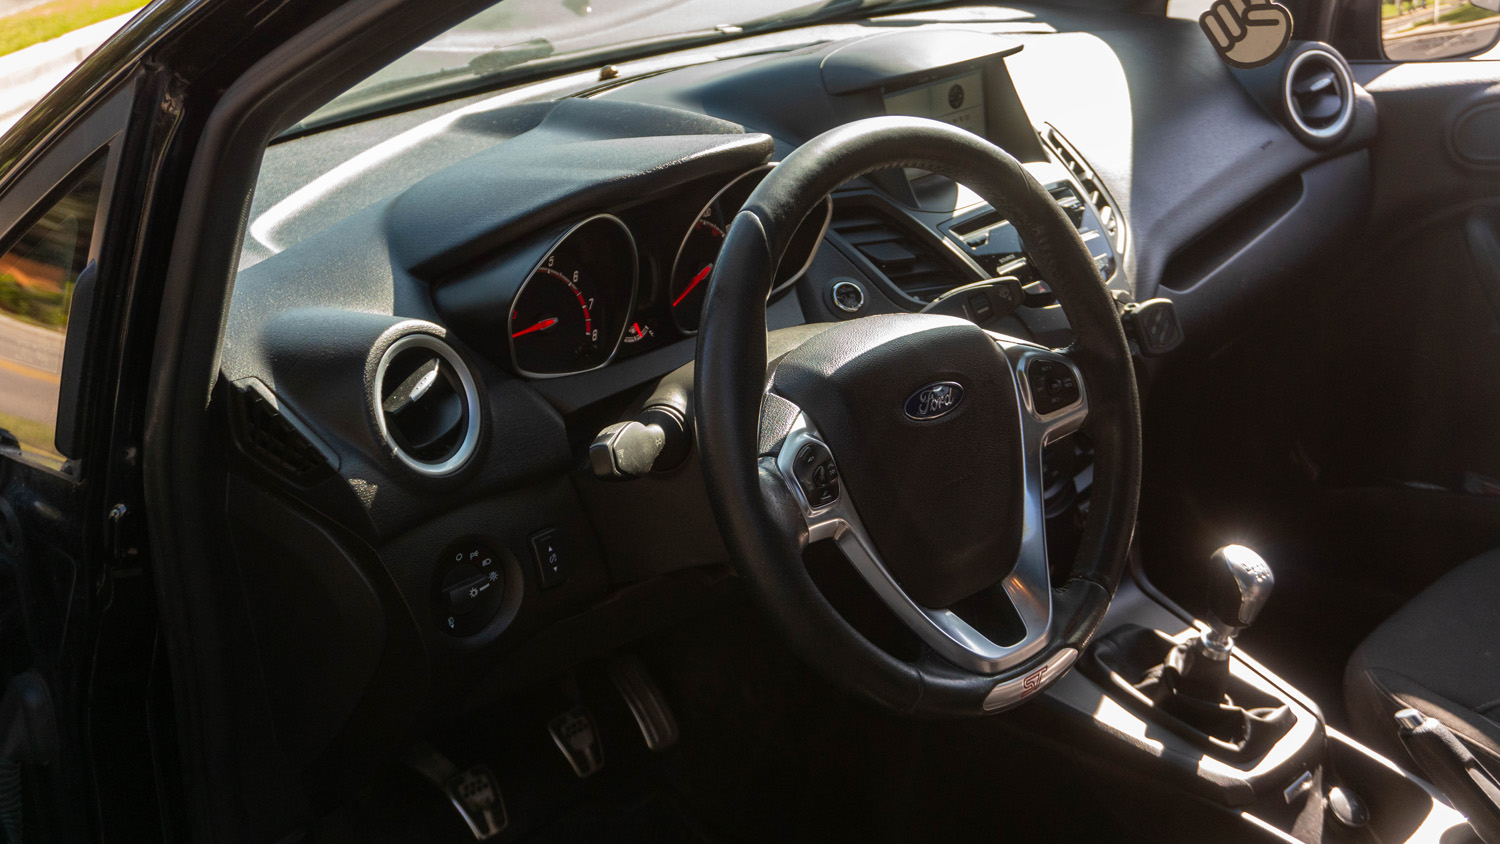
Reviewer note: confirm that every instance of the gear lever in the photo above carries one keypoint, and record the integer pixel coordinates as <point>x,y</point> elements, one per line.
<point>1187,686</point>
<point>1239,584</point>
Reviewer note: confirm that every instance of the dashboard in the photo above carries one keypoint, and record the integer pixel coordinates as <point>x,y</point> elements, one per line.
<point>425,340</point>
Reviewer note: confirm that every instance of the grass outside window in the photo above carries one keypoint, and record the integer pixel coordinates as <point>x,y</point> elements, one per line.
<point>50,20</point>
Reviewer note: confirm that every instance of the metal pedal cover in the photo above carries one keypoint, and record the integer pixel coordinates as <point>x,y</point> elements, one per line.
<point>646,702</point>
<point>476,796</point>
<point>578,739</point>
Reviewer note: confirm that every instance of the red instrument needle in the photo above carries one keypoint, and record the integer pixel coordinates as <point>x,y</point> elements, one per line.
<point>541,326</point>
<point>702,274</point>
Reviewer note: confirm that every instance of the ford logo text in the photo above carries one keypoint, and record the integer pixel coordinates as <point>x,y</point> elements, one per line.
<point>934,400</point>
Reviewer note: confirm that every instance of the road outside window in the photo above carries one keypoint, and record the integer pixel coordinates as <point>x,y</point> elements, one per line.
<point>1429,30</point>
<point>38,270</point>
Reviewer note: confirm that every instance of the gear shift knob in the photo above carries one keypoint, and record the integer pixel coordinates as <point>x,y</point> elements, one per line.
<point>1239,584</point>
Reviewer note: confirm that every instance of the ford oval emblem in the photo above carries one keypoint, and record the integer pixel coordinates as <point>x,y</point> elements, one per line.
<point>934,400</point>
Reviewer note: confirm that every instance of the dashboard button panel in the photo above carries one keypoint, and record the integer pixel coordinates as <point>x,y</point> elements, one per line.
<point>551,565</point>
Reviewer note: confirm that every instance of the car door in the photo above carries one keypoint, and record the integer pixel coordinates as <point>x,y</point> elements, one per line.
<point>1402,409</point>
<point>76,630</point>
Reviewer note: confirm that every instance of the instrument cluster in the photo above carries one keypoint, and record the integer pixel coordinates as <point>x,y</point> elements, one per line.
<point>577,297</point>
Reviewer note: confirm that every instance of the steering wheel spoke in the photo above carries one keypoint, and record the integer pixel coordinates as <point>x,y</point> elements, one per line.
<point>830,513</point>
<point>1054,399</point>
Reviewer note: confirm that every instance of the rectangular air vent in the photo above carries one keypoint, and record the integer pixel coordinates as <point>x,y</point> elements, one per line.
<point>995,245</point>
<point>1097,196</point>
<point>268,435</point>
<point>913,263</point>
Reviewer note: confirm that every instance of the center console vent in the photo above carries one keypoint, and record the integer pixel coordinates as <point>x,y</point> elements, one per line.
<point>914,264</point>
<point>1093,189</point>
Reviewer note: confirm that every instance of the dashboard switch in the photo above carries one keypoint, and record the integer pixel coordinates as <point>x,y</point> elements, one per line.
<point>1073,207</point>
<point>469,587</point>
<point>551,567</point>
<point>848,296</point>
<point>462,588</point>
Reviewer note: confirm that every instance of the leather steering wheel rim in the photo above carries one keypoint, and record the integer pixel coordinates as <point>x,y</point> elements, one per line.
<point>762,525</point>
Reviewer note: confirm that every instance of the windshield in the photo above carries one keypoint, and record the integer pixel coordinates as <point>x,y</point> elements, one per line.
<point>524,35</point>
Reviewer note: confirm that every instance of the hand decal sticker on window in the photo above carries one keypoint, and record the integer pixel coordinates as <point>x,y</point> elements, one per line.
<point>1247,33</point>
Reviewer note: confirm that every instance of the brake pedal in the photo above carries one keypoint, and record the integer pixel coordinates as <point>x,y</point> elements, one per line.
<point>578,739</point>
<point>646,702</point>
<point>474,793</point>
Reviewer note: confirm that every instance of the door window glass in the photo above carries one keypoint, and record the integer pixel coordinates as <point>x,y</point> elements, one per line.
<point>38,270</point>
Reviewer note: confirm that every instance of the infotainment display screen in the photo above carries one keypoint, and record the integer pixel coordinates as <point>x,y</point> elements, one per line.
<point>958,100</point>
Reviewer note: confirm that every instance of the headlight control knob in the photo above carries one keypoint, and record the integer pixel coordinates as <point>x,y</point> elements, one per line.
<point>469,586</point>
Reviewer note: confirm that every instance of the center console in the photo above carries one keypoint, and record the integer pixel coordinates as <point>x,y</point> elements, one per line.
<point>1172,697</point>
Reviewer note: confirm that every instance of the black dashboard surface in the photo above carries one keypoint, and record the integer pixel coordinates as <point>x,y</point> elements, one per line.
<point>356,232</point>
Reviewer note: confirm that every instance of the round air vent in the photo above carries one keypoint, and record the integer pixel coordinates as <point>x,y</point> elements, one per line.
<point>427,406</point>
<point>1318,94</point>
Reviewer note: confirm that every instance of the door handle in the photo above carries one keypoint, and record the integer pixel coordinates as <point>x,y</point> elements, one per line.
<point>1482,231</point>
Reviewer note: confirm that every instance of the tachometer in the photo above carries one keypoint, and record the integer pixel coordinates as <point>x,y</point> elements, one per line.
<point>571,311</point>
<point>700,248</point>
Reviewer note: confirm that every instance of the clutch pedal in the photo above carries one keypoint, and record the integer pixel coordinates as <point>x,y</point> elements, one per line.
<point>474,793</point>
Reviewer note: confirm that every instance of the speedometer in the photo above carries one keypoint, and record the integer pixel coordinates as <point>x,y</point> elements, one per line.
<point>699,251</point>
<point>570,313</point>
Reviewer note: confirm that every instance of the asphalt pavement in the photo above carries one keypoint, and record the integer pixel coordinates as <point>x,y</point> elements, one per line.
<point>30,367</point>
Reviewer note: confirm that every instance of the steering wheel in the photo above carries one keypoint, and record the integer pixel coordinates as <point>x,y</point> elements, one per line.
<point>914,442</point>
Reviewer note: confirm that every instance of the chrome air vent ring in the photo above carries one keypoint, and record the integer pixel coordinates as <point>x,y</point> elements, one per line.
<point>1317,93</point>
<point>426,405</point>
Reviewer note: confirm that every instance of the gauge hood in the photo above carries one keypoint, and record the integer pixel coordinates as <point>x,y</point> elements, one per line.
<point>534,180</point>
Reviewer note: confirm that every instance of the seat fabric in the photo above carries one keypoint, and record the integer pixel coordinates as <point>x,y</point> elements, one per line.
<point>1439,654</point>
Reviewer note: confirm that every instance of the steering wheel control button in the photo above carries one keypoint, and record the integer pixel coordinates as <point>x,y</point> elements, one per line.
<point>817,475</point>
<point>848,296</point>
<point>546,549</point>
<point>470,587</point>
<point>1053,386</point>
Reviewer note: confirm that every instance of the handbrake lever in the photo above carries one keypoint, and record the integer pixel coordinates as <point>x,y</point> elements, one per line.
<point>1454,770</point>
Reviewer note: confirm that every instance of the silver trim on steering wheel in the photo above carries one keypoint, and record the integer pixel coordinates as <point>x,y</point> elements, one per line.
<point>1028,586</point>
